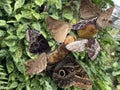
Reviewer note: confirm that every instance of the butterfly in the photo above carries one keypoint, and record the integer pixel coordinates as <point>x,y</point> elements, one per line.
<point>58,54</point>
<point>86,28</point>
<point>88,10</point>
<point>69,73</point>
<point>58,29</point>
<point>89,27</point>
<point>77,45</point>
<point>35,66</point>
<point>37,42</point>
<point>103,18</point>
<point>92,48</point>
<point>90,45</point>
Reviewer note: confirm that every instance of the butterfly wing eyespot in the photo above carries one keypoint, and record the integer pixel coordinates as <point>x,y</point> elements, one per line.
<point>58,29</point>
<point>74,74</point>
<point>62,72</point>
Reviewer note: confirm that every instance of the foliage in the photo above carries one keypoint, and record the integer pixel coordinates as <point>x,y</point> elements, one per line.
<point>17,15</point>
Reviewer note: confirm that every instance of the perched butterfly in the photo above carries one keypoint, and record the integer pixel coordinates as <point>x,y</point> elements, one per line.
<point>69,73</point>
<point>92,48</point>
<point>35,66</point>
<point>90,45</point>
<point>37,43</point>
<point>58,29</point>
<point>58,54</point>
<point>103,18</point>
<point>61,52</point>
<point>86,28</point>
<point>88,10</point>
<point>77,46</point>
<point>89,27</point>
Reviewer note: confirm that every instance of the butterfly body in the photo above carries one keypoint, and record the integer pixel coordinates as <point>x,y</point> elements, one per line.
<point>69,73</point>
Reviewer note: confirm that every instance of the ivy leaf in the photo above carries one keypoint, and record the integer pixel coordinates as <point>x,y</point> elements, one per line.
<point>58,4</point>
<point>10,66</point>
<point>39,2</point>
<point>21,31</point>
<point>2,33</point>
<point>13,85</point>
<point>2,22</point>
<point>18,4</point>
<point>3,53</point>
<point>8,8</point>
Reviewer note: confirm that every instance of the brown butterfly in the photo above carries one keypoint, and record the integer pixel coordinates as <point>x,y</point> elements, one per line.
<point>58,54</point>
<point>35,66</point>
<point>92,48</point>
<point>86,28</point>
<point>90,45</point>
<point>69,73</point>
<point>103,19</point>
<point>61,52</point>
<point>58,29</point>
<point>37,42</point>
<point>88,10</point>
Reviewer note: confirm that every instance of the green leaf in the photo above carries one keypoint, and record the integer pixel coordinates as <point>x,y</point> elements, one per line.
<point>18,4</point>
<point>58,4</point>
<point>18,17</point>
<point>8,8</point>
<point>2,33</point>
<point>36,25</point>
<point>39,2</point>
<point>13,85</point>
<point>2,22</point>
<point>21,31</point>
<point>3,53</point>
<point>36,15</point>
<point>10,66</point>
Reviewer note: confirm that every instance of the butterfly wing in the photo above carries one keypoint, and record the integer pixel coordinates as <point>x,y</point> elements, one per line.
<point>58,29</point>
<point>77,46</point>
<point>92,48</point>
<point>58,54</point>
<point>88,9</point>
<point>35,66</point>
<point>69,73</point>
<point>37,42</point>
<point>103,19</point>
<point>86,28</point>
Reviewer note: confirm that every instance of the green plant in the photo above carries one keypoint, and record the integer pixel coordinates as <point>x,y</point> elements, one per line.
<point>16,15</point>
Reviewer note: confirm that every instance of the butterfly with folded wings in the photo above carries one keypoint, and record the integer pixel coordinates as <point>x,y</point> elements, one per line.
<point>94,19</point>
<point>37,42</point>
